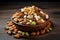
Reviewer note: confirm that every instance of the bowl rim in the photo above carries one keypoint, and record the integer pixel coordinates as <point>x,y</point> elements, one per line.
<point>25,25</point>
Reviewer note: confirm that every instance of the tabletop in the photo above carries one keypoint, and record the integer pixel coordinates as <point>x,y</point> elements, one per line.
<point>54,14</point>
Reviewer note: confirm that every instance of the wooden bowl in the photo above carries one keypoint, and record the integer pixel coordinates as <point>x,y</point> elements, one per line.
<point>29,27</point>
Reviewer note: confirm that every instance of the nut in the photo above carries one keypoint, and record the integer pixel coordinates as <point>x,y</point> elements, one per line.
<point>50,28</point>
<point>15,30</point>
<point>17,36</point>
<point>15,19</point>
<point>16,14</point>
<point>9,23</point>
<point>7,28</point>
<point>42,20</point>
<point>23,33</point>
<point>13,26</point>
<point>38,33</point>
<point>47,16</point>
<point>42,31</point>
<point>33,33</point>
<point>27,34</point>
<point>30,16</point>
<point>28,23</point>
<point>39,22</point>
<point>19,32</point>
<point>47,30</point>
<point>10,28</point>
<point>9,32</point>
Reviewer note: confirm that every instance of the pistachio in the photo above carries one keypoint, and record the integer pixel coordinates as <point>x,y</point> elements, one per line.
<point>50,28</point>
<point>33,23</point>
<point>27,34</point>
<point>7,28</point>
<point>30,20</point>
<point>23,33</point>
<point>47,30</point>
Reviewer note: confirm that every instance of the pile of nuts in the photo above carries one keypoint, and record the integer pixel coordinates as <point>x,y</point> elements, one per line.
<point>28,16</point>
<point>13,30</point>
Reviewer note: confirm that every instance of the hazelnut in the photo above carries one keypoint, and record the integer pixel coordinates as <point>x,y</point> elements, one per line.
<point>33,33</point>
<point>42,31</point>
<point>38,33</point>
<point>38,21</point>
<point>47,30</point>
<point>15,30</point>
<point>17,36</point>
<point>9,23</point>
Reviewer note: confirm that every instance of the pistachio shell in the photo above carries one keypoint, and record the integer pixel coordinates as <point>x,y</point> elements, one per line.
<point>27,34</point>
<point>30,20</point>
<point>50,28</point>
<point>23,33</point>
<point>33,23</point>
<point>19,32</point>
<point>7,28</point>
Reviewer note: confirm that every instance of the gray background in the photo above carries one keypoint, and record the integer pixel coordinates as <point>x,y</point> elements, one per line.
<point>52,8</point>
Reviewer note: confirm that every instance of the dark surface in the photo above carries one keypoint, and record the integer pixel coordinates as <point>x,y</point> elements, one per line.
<point>53,12</point>
<point>17,5</point>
